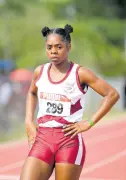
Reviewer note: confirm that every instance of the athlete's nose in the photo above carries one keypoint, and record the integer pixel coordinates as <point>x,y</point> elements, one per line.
<point>53,51</point>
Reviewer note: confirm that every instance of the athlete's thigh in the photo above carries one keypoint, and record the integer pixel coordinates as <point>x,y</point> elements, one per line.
<point>35,169</point>
<point>64,171</point>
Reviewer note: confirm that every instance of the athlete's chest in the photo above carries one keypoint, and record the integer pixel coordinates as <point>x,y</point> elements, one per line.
<point>67,88</point>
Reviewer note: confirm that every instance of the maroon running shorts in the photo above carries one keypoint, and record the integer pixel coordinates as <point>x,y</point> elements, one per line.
<point>51,146</point>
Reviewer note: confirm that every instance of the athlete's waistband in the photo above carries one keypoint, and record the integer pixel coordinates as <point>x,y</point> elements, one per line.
<point>40,126</point>
<point>49,118</point>
<point>50,129</point>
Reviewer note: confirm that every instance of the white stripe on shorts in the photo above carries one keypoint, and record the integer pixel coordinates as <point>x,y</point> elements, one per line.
<point>80,151</point>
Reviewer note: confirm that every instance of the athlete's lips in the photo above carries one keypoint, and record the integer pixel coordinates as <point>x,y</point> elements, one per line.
<point>54,57</point>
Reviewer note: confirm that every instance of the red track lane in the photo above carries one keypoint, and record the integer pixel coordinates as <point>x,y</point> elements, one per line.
<point>99,151</point>
<point>115,170</point>
<point>15,171</point>
<point>12,154</point>
<point>105,158</point>
<point>99,130</point>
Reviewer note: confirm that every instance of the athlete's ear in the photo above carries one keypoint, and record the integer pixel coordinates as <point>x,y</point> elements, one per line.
<point>69,46</point>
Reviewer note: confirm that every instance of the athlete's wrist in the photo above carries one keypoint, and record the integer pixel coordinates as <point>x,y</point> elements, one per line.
<point>91,123</point>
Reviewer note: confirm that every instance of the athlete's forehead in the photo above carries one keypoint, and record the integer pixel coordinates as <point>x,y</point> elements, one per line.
<point>54,39</point>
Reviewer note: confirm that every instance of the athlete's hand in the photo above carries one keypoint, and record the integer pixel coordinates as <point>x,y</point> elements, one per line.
<point>76,128</point>
<point>31,133</point>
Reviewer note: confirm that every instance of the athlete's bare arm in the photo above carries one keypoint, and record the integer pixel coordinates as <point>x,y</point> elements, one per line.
<point>111,96</point>
<point>30,108</point>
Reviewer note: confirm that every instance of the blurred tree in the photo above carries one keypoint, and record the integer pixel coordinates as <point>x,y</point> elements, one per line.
<point>78,10</point>
<point>105,57</point>
<point>97,41</point>
<point>7,9</point>
<point>108,52</point>
<point>75,8</point>
<point>122,8</point>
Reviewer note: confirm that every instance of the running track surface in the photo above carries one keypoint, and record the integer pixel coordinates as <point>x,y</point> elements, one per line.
<point>105,160</point>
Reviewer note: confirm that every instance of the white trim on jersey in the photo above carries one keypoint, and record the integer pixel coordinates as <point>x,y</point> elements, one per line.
<point>51,123</point>
<point>67,88</point>
<point>80,151</point>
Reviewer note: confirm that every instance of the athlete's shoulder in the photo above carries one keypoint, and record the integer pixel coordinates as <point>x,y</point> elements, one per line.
<point>37,71</point>
<point>84,70</point>
<point>38,68</point>
<point>86,74</point>
<point>81,69</point>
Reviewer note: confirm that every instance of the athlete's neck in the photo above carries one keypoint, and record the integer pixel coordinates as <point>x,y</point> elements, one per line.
<point>62,67</point>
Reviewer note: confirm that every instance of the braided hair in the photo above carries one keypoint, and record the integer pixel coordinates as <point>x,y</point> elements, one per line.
<point>63,32</point>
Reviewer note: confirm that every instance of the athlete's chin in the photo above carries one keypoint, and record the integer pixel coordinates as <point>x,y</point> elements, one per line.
<point>55,61</point>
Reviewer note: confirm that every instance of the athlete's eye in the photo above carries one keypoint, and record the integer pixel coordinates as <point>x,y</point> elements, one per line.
<point>59,47</point>
<point>49,47</point>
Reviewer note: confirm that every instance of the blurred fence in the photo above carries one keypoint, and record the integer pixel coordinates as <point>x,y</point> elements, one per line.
<point>12,103</point>
<point>94,99</point>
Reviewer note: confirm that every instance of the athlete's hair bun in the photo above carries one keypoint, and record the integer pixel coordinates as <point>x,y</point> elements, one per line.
<point>45,31</point>
<point>68,29</point>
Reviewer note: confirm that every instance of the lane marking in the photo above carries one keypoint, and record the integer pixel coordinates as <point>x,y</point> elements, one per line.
<point>94,140</point>
<point>104,162</point>
<point>90,141</point>
<point>4,177</point>
<point>104,137</point>
<point>11,166</point>
<point>96,179</point>
<point>9,177</point>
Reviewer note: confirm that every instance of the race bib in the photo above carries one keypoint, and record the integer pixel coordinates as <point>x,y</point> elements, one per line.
<point>54,104</point>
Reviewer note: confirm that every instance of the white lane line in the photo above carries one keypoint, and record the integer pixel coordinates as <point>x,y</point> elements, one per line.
<point>104,137</point>
<point>104,162</point>
<point>4,177</point>
<point>11,166</point>
<point>111,122</point>
<point>96,179</point>
<point>90,141</point>
<point>9,177</point>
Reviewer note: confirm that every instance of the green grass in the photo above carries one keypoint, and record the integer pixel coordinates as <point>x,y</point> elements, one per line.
<point>16,133</point>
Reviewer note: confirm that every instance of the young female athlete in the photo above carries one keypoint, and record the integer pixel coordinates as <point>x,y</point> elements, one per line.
<point>60,88</point>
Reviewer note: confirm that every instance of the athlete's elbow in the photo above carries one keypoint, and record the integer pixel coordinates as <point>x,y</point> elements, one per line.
<point>114,95</point>
<point>32,93</point>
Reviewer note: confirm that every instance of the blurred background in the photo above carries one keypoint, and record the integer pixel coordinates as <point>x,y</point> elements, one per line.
<point>98,42</point>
